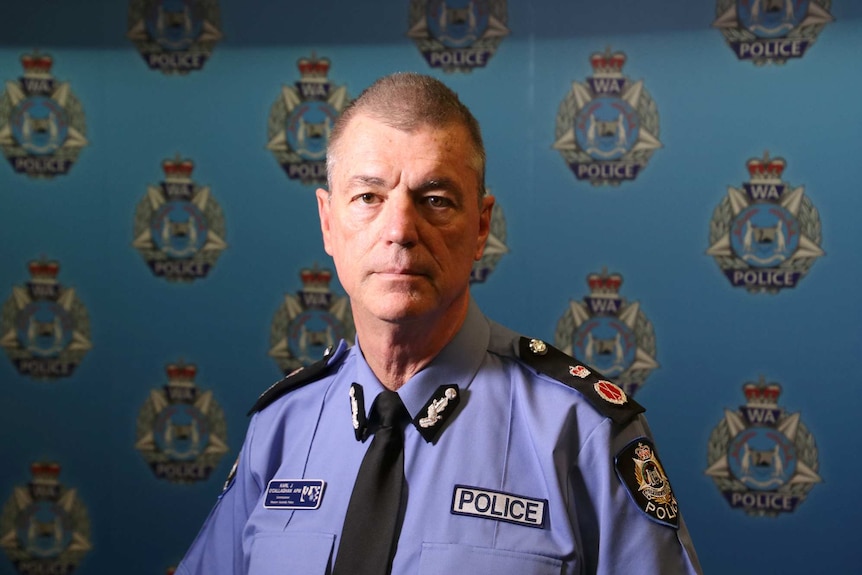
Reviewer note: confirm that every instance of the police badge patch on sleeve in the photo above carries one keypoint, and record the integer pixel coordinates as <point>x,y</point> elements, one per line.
<point>640,470</point>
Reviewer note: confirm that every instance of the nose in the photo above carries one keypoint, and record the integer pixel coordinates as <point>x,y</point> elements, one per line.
<point>401,219</point>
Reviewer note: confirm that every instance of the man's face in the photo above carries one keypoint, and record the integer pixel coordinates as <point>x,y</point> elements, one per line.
<point>403,221</point>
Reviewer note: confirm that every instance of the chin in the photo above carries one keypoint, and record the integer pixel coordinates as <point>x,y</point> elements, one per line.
<point>400,308</point>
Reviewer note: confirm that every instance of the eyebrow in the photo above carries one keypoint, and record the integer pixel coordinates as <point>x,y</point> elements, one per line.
<point>371,181</point>
<point>447,184</point>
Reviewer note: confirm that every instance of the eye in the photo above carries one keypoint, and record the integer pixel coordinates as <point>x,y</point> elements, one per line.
<point>438,201</point>
<point>367,198</point>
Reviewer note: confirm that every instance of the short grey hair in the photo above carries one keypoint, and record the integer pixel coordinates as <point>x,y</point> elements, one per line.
<point>407,101</point>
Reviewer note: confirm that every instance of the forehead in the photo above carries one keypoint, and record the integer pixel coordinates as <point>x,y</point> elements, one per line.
<point>368,141</point>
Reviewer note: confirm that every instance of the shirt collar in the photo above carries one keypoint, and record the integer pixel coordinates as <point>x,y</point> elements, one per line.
<point>457,363</point>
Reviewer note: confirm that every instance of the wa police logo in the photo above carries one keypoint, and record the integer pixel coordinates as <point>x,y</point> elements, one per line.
<point>608,128</point>
<point>45,328</point>
<point>174,36</point>
<point>301,120</point>
<point>44,527</point>
<point>640,470</point>
<point>762,459</point>
<point>181,429</point>
<point>609,334</point>
<point>457,35</point>
<point>309,322</point>
<point>495,247</point>
<point>179,227</point>
<point>764,31</point>
<point>42,128</point>
<point>765,236</point>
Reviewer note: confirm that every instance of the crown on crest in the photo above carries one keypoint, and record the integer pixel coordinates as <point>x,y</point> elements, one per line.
<point>181,374</point>
<point>37,64</point>
<point>43,270</point>
<point>313,69</point>
<point>604,284</point>
<point>766,169</point>
<point>607,63</point>
<point>762,393</point>
<point>316,279</point>
<point>45,472</point>
<point>643,452</point>
<point>178,169</point>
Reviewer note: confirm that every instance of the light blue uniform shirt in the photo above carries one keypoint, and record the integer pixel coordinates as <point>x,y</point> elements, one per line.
<point>524,436</point>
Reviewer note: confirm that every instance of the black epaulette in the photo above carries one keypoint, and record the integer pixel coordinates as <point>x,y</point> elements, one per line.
<point>295,380</point>
<point>604,395</point>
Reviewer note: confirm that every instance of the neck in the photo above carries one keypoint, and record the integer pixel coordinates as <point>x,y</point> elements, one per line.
<point>396,351</point>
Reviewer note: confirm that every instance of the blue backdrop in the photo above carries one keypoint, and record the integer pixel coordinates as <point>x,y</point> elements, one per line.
<point>715,113</point>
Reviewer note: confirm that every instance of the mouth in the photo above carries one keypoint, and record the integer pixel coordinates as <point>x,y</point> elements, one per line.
<point>399,273</point>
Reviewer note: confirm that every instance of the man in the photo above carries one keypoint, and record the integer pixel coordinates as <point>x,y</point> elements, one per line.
<point>518,459</point>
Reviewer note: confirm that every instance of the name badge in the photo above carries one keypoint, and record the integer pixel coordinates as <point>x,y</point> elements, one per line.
<point>294,493</point>
<point>499,506</point>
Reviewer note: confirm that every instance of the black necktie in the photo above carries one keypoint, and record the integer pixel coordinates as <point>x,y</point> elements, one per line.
<point>371,526</point>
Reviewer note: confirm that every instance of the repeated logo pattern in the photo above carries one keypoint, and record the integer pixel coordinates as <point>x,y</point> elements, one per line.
<point>301,120</point>
<point>771,31</point>
<point>762,458</point>
<point>765,235</point>
<point>309,322</point>
<point>181,432</point>
<point>174,36</point>
<point>44,526</point>
<point>609,334</point>
<point>42,124</point>
<point>457,35</point>
<point>607,128</point>
<point>44,327</point>
<point>179,227</point>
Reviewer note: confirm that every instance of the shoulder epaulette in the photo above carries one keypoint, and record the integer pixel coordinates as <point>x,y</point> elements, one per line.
<point>604,395</point>
<point>295,380</point>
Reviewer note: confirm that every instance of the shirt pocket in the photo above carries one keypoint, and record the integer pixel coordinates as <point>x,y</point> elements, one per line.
<point>288,553</point>
<point>447,558</point>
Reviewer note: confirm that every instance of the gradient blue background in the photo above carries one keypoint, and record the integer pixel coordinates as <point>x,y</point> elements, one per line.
<point>715,113</point>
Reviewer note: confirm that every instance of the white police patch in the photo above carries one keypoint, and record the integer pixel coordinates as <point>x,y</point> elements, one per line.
<point>294,493</point>
<point>500,506</point>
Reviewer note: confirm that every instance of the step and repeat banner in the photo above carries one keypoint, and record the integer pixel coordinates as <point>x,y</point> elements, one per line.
<point>677,184</point>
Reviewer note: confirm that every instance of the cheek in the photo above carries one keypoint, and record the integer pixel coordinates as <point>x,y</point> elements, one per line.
<point>462,250</point>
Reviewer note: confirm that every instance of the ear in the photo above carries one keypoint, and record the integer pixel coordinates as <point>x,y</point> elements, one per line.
<point>484,225</point>
<point>323,207</point>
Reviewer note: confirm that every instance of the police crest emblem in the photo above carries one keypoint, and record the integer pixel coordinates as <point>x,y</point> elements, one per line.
<point>609,334</point>
<point>457,35</point>
<point>771,31</point>
<point>44,527</point>
<point>181,430</point>
<point>174,36</point>
<point>766,236</point>
<point>640,470</point>
<point>42,124</point>
<point>608,128</point>
<point>495,247</point>
<point>761,458</point>
<point>179,227</point>
<point>309,322</point>
<point>44,327</point>
<point>301,119</point>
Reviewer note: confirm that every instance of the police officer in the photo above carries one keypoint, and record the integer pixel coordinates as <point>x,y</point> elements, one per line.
<point>516,458</point>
